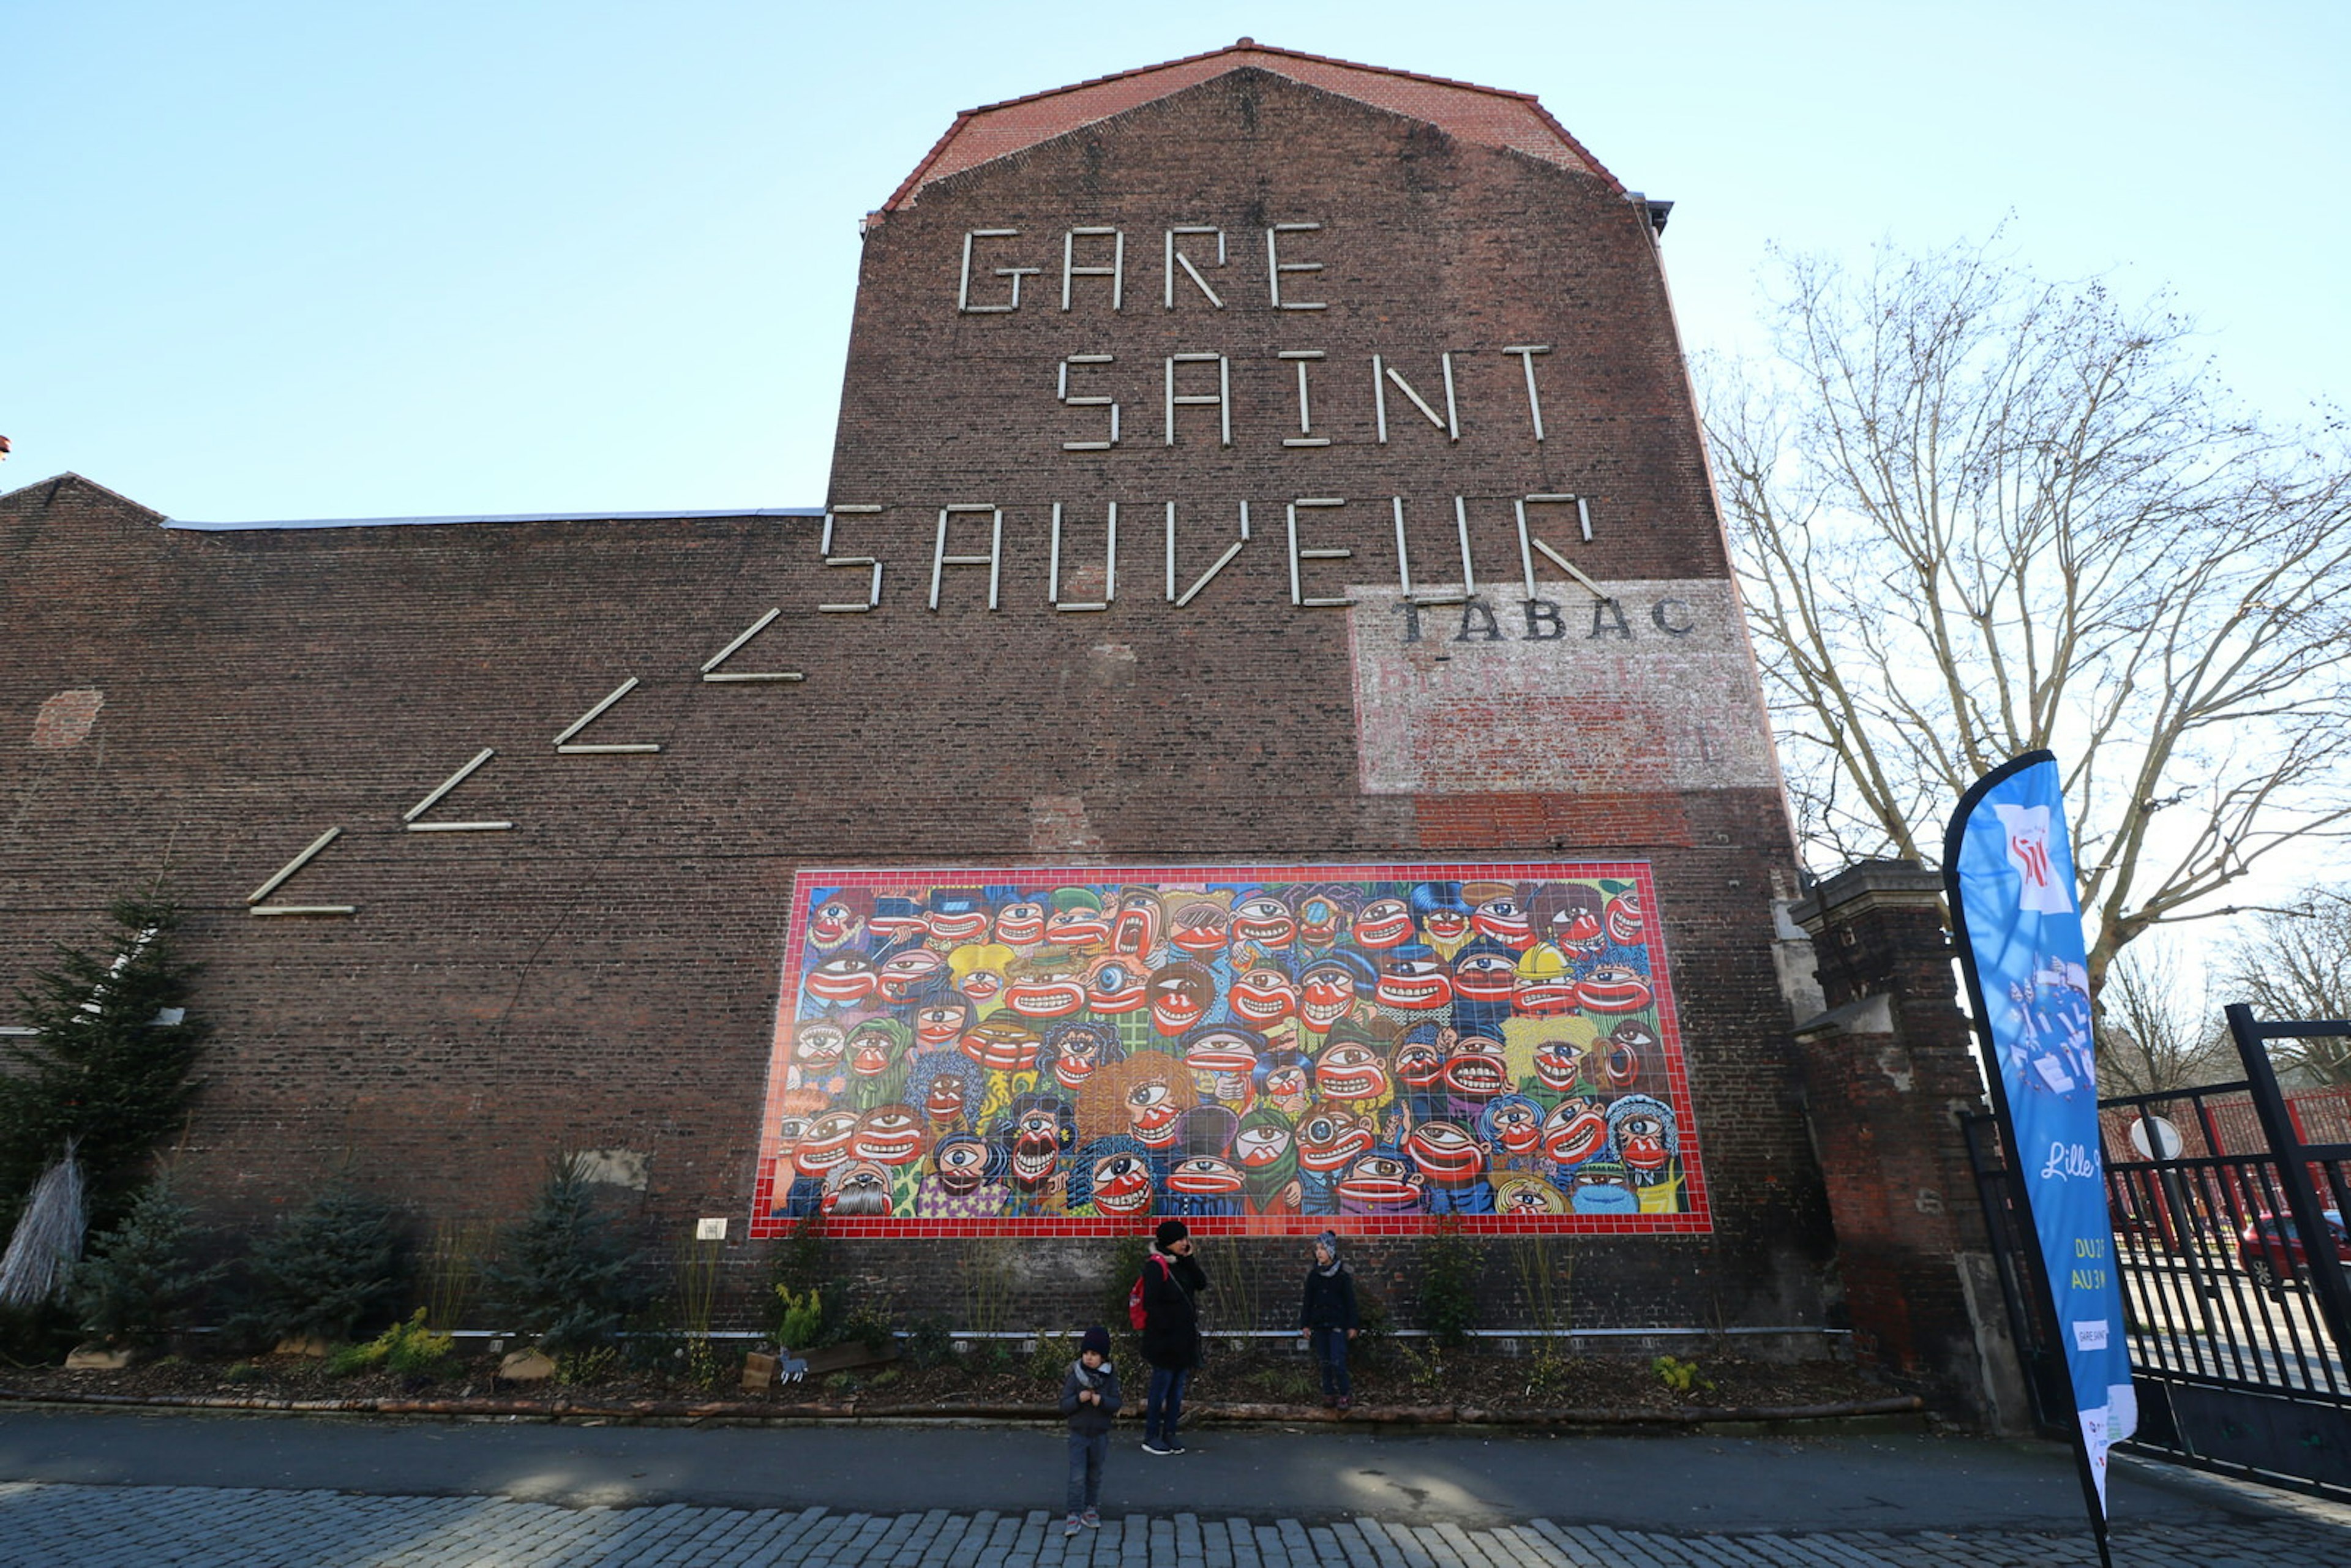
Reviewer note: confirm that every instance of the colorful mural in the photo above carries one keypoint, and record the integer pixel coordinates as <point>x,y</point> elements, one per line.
<point>1276,1049</point>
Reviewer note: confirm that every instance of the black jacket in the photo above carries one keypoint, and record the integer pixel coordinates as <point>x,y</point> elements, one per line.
<point>1171,1320</point>
<point>1330,1301</point>
<point>1092,1420</point>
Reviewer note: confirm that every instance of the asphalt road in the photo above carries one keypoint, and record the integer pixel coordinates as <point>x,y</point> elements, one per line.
<point>1896,1481</point>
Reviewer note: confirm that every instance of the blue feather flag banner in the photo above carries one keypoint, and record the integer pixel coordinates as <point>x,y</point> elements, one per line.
<point>2009,867</point>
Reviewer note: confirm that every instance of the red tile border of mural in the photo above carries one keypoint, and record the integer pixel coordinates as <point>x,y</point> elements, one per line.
<point>1695,1216</point>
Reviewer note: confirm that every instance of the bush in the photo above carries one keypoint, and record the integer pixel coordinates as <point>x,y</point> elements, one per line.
<point>803,1319</point>
<point>564,1276</point>
<point>1448,1288</point>
<point>100,1073</point>
<point>329,1271</point>
<point>141,1280</point>
<point>406,1348</point>
<point>869,1328</point>
<point>930,1342</point>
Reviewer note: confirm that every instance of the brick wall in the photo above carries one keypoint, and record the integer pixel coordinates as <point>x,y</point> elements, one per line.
<point>604,975</point>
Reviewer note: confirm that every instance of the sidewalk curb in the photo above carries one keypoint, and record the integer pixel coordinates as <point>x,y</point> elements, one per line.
<point>745,1412</point>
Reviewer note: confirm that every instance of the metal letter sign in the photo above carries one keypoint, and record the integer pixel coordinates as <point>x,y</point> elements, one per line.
<point>2009,868</point>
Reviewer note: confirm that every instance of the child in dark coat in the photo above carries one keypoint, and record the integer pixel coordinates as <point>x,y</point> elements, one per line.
<point>1088,1398</point>
<point>1327,1320</point>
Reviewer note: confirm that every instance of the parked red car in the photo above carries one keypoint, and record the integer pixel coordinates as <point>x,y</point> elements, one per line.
<point>2270,1248</point>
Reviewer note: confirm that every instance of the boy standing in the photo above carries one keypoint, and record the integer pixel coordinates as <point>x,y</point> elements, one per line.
<point>1327,1320</point>
<point>1088,1398</point>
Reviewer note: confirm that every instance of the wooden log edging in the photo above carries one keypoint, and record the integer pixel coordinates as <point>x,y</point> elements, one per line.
<point>668,1411</point>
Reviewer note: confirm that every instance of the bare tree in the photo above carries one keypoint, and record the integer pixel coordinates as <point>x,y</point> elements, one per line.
<point>2154,1032</point>
<point>1976,513</point>
<point>2297,965</point>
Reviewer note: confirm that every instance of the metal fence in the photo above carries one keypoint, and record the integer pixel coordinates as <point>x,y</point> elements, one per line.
<point>2230,1255</point>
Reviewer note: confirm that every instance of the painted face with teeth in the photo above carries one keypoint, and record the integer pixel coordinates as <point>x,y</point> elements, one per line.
<point>1643,1128</point>
<point>1201,928</point>
<point>834,923</point>
<point>962,1163</point>
<point>1134,925</point>
<point>1546,988</point>
<point>940,1021</point>
<point>1503,919</point>
<point>1446,1154</point>
<point>1036,1148</point>
<point>844,978</point>
<point>1574,1131</point>
<point>888,1136</point>
<point>1152,1107</point>
<point>1612,988</point>
<point>958,918</point>
<point>1180,994</point>
<point>1485,974</point>
<point>1475,1070</point>
<point>872,1052</point>
<point>1047,990</point>
<point>1419,1061</point>
<point>1205,1176</point>
<point>1380,1182</point>
<point>1414,977</point>
<point>1513,1124</point>
<point>1265,920</point>
<point>1003,1045</point>
<point>826,1144</point>
<point>911,974</point>
<point>981,970</point>
<point>1328,989</point>
<point>1021,922</point>
<point>1328,1138</point>
<point>1383,923</point>
<point>1351,1071</point>
<point>1077,925</point>
<point>1121,1183</point>
<point>1117,986</point>
<point>1224,1054</point>
<point>1560,1064</point>
<point>1265,996</point>
<point>818,1047</point>
<point>1077,1051</point>
<point>1624,919</point>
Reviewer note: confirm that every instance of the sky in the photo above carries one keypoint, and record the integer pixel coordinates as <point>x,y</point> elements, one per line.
<point>294,261</point>
<point>279,261</point>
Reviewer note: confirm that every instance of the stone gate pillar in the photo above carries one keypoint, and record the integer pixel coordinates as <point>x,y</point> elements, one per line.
<point>1887,1068</point>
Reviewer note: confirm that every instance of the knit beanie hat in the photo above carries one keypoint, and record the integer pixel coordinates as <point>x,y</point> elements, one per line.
<point>1328,1242</point>
<point>1170,1232</point>
<point>1096,1338</point>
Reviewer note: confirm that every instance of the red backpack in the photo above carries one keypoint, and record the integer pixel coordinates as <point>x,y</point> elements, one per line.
<point>1135,1314</point>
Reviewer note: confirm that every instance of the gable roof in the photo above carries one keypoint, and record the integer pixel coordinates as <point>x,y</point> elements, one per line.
<point>1488,116</point>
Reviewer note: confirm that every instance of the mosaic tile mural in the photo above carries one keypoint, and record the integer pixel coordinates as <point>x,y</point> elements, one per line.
<point>1276,1050</point>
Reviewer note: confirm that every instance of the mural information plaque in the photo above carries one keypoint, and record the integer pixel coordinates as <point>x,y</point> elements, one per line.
<point>1273,1049</point>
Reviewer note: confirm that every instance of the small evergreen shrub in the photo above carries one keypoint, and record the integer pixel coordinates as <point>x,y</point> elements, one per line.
<point>1448,1288</point>
<point>803,1321</point>
<point>334,1268</point>
<point>564,1276</point>
<point>406,1348</point>
<point>930,1343</point>
<point>141,1280</point>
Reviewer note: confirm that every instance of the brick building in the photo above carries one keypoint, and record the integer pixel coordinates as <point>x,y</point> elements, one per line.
<point>1266,489</point>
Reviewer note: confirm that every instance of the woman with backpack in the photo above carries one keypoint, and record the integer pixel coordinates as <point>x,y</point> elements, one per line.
<point>1168,1291</point>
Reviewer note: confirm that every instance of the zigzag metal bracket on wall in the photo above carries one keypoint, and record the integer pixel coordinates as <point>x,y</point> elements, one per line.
<point>564,743</point>
<point>711,672</point>
<point>287,870</point>
<point>433,800</point>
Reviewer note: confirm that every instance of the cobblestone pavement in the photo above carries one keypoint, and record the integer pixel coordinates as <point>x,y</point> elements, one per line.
<point>104,1526</point>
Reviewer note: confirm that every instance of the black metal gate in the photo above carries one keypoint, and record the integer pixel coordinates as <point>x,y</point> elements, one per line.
<point>2235,1271</point>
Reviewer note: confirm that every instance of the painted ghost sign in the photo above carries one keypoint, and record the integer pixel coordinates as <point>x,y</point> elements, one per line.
<point>1269,1050</point>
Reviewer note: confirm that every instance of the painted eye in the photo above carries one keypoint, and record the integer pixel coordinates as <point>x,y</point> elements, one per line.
<point>1321,1130</point>
<point>1144,1095</point>
<point>1380,1165</point>
<point>1500,908</point>
<point>792,1129</point>
<point>1643,1126</point>
<point>960,1156</point>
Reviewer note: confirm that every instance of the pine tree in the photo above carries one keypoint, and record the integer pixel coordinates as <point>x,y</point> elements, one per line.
<point>104,1069</point>
<point>338,1263</point>
<point>140,1280</point>
<point>563,1278</point>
